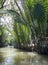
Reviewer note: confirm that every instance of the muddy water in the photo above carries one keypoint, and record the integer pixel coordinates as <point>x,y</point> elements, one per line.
<point>11,56</point>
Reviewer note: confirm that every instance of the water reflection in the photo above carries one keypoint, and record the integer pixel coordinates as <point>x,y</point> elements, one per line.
<point>1,58</point>
<point>40,60</point>
<point>10,56</point>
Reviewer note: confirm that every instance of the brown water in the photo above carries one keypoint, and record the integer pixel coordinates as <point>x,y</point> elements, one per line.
<point>11,56</point>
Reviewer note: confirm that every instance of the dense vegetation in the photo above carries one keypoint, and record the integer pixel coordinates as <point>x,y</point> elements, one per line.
<point>30,23</point>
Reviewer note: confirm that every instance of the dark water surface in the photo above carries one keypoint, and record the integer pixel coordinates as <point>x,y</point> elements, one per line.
<point>11,56</point>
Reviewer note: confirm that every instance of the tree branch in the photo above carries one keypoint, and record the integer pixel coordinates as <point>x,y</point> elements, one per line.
<point>21,12</point>
<point>2,4</point>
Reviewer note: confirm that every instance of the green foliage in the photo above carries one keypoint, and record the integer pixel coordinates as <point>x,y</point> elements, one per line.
<point>34,16</point>
<point>21,33</point>
<point>39,12</point>
<point>32,20</point>
<point>1,2</point>
<point>16,16</point>
<point>1,36</point>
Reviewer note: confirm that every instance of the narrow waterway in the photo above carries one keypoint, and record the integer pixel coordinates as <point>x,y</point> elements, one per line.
<point>11,56</point>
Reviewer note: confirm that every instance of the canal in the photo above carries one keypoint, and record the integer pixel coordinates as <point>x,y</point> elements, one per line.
<point>11,56</point>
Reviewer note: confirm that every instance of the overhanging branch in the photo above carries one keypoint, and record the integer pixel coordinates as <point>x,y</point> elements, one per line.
<point>3,4</point>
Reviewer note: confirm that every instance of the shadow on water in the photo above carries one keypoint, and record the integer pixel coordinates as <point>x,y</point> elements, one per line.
<point>11,56</point>
<point>1,58</point>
